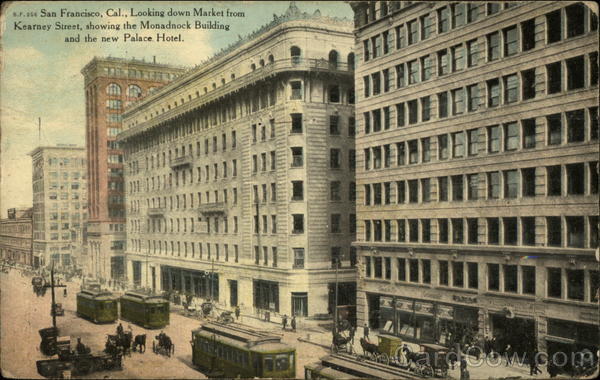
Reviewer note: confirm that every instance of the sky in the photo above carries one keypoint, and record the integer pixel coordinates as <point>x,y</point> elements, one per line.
<point>40,73</point>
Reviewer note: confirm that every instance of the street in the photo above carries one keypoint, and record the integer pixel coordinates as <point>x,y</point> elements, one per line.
<point>23,314</point>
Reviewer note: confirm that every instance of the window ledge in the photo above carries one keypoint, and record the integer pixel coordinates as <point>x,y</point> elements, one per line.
<point>593,305</point>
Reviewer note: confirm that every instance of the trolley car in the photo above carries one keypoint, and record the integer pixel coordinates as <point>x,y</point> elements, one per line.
<point>342,366</point>
<point>97,306</point>
<point>233,350</point>
<point>145,310</point>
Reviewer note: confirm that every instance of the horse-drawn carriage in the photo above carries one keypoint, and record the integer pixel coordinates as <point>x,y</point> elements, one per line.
<point>431,361</point>
<point>78,362</point>
<point>37,283</point>
<point>388,349</point>
<point>163,345</point>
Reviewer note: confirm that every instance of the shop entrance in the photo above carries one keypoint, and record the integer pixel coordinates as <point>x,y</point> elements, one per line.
<point>373,307</point>
<point>518,332</point>
<point>233,292</point>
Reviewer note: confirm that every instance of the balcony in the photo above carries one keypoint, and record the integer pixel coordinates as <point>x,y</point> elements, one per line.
<point>213,208</point>
<point>156,211</point>
<point>181,162</point>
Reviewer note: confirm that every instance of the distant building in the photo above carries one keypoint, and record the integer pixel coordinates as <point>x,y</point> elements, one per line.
<point>477,171</point>
<point>239,175</point>
<point>111,84</point>
<point>16,237</point>
<point>59,204</point>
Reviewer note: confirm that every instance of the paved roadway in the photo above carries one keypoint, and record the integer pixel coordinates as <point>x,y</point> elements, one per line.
<point>23,314</point>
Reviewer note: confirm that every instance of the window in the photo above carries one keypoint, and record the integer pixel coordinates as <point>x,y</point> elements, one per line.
<point>554,231</point>
<point>528,182</point>
<point>511,136</point>
<point>575,231</point>
<point>473,141</point>
<point>554,282</point>
<point>443,66</point>
<point>575,126</point>
<point>554,129</point>
<point>443,189</point>
<point>511,88</point>
<point>493,277</point>
<point>553,179</point>
<point>426,190</point>
<point>458,101</point>
<point>386,42</point>
<point>113,89</point>
<point>366,85</point>
<point>443,20</point>
<point>493,8</point>
<point>511,184</point>
<point>413,32</point>
<point>335,190</point>
<point>594,68</point>
<point>457,231</point>
<point>510,41</point>
<point>458,144</point>
<point>443,276</point>
<point>528,230</point>
<point>575,20</point>
<point>335,223</point>
<point>426,27</point>
<point>413,113</point>
<point>443,147</point>
<point>400,76</point>
<point>528,77</point>
<point>554,76</point>
<point>510,278</point>
<point>458,274</point>
<point>298,223</point>
<point>413,72</point>
<point>426,149</point>
<point>427,68</point>
<point>493,231</point>
<point>510,231</point>
<point>493,86</point>
<point>528,35</point>
<point>298,257</point>
<point>376,79</point>
<point>575,73</point>
<point>528,133</point>
<point>443,104</point>
<point>386,80</point>
<point>413,230</point>
<point>297,190</point>
<point>472,53</point>
<point>457,188</point>
<point>473,97</point>
<point>458,58</point>
<point>376,45</point>
<point>575,179</point>
<point>413,152</point>
<point>493,41</point>
<point>377,267</point>
<point>473,275</point>
<point>554,26</point>
<point>351,127</point>
<point>472,186</point>
<point>443,231</point>
<point>376,116</point>
<point>334,127</point>
<point>593,178</point>
<point>425,108</point>
<point>296,87</point>
<point>295,54</point>
<point>296,122</point>
<point>334,158</point>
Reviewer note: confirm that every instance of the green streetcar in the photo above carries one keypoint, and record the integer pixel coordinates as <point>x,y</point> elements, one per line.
<point>342,366</point>
<point>234,350</point>
<point>148,311</point>
<point>97,306</point>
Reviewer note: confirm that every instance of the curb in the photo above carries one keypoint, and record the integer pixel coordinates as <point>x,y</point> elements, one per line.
<point>315,343</point>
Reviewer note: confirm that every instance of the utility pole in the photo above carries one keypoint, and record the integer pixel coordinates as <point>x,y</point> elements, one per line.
<point>335,306</point>
<point>52,310</point>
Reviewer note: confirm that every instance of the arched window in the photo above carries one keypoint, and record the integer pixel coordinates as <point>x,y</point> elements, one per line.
<point>232,76</point>
<point>271,58</point>
<point>113,89</point>
<point>222,80</point>
<point>351,61</point>
<point>214,85</point>
<point>205,90</point>
<point>253,67</point>
<point>134,91</point>
<point>333,59</point>
<point>262,63</point>
<point>295,53</point>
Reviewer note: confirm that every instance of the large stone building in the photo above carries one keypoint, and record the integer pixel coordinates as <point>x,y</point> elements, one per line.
<point>111,84</point>
<point>16,237</point>
<point>59,204</point>
<point>242,171</point>
<point>477,171</point>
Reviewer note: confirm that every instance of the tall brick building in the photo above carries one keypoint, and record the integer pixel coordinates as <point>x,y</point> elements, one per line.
<point>111,84</point>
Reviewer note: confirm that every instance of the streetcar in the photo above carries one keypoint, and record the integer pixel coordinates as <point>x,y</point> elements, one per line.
<point>148,311</point>
<point>234,350</point>
<point>343,366</point>
<point>97,306</point>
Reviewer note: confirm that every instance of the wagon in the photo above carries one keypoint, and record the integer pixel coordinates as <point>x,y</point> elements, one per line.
<point>434,363</point>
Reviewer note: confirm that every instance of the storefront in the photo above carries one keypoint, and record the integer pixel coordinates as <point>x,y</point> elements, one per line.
<point>519,333</point>
<point>569,337</point>
<point>428,322</point>
<point>199,283</point>
<point>266,295</point>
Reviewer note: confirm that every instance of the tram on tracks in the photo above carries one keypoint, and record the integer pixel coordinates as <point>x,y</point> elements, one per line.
<point>148,311</point>
<point>234,350</point>
<point>97,306</point>
<point>344,366</point>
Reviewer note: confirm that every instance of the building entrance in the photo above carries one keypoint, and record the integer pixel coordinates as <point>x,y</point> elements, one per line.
<point>300,304</point>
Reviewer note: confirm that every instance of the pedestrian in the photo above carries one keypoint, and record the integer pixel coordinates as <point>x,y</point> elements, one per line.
<point>464,375</point>
<point>463,364</point>
<point>366,332</point>
<point>293,323</point>
<point>120,329</point>
<point>551,368</point>
<point>65,292</point>
<point>352,332</point>
<point>237,312</point>
<point>533,365</point>
<point>284,322</point>
<point>508,353</point>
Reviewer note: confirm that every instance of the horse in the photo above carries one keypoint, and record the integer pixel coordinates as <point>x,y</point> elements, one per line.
<point>139,341</point>
<point>341,342</point>
<point>124,340</point>
<point>417,358</point>
<point>368,347</point>
<point>164,345</point>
